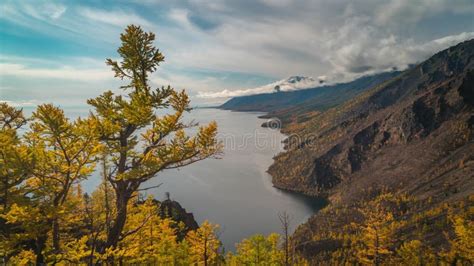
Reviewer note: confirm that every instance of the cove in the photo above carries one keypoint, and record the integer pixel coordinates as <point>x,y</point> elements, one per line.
<point>234,191</point>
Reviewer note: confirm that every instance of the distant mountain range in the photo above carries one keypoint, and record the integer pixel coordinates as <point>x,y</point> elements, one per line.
<point>298,90</point>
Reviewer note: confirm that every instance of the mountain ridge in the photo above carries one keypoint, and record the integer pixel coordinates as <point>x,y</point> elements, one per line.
<point>411,135</point>
<point>321,97</point>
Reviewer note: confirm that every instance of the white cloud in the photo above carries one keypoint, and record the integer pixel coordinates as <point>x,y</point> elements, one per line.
<point>181,17</point>
<point>66,24</point>
<point>81,69</point>
<point>231,93</point>
<point>433,46</point>
<point>338,40</point>
<point>365,55</point>
<point>45,80</point>
<point>409,11</point>
<point>117,17</point>
<point>183,82</point>
<point>290,84</point>
<point>359,47</point>
<point>63,73</point>
<point>323,78</point>
<point>264,48</point>
<point>45,10</point>
<point>30,103</point>
<point>57,12</point>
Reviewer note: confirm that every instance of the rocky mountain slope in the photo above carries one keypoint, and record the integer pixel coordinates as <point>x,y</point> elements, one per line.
<point>302,91</point>
<point>412,134</point>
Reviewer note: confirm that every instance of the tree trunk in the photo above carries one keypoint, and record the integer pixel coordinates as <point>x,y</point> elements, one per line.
<point>55,222</point>
<point>56,246</point>
<point>287,249</point>
<point>122,198</point>
<point>376,253</point>
<point>205,251</point>
<point>5,199</point>
<point>6,231</point>
<point>40,243</point>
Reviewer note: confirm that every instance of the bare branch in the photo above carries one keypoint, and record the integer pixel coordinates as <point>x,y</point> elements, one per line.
<point>131,232</point>
<point>144,189</point>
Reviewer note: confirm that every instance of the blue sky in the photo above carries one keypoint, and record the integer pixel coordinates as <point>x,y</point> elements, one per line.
<point>54,51</point>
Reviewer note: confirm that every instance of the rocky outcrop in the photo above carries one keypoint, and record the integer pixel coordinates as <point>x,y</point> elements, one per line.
<point>173,210</point>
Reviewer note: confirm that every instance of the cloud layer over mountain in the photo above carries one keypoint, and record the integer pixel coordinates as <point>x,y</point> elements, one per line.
<point>225,44</point>
<point>290,84</point>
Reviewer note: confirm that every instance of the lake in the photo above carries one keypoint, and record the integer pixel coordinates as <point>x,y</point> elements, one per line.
<point>234,191</point>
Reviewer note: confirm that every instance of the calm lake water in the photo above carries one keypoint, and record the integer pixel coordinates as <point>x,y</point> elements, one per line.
<point>234,191</point>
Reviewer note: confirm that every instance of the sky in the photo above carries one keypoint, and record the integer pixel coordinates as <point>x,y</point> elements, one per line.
<point>55,51</point>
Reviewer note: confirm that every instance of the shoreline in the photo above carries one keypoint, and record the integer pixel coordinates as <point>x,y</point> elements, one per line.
<point>265,115</point>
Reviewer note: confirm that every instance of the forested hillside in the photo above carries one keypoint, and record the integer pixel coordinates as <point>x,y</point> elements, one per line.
<point>396,163</point>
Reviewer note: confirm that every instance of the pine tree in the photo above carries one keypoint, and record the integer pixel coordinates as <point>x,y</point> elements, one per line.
<point>204,245</point>
<point>14,155</point>
<point>414,253</point>
<point>260,250</point>
<point>377,234</point>
<point>15,166</point>
<point>149,239</point>
<point>64,154</point>
<point>462,245</point>
<point>138,143</point>
<point>464,242</point>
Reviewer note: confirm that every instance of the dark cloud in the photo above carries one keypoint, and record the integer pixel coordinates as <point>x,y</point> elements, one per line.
<point>359,68</point>
<point>202,22</point>
<point>351,37</point>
